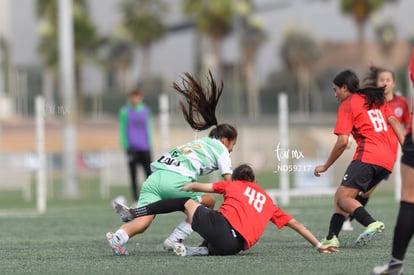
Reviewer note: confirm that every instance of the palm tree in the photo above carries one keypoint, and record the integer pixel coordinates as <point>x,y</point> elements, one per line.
<point>87,42</point>
<point>252,36</point>
<point>299,52</point>
<point>385,34</point>
<point>361,10</point>
<point>120,58</point>
<point>214,19</point>
<point>143,25</point>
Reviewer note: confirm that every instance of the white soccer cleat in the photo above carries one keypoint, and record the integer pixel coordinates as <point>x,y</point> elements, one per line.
<point>119,250</point>
<point>168,245</point>
<point>180,249</point>
<point>123,211</point>
<point>389,269</point>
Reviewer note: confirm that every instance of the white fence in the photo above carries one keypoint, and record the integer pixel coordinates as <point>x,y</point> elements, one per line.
<point>16,174</point>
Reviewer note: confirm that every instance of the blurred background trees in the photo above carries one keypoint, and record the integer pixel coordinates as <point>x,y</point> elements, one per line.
<point>87,42</point>
<point>123,55</point>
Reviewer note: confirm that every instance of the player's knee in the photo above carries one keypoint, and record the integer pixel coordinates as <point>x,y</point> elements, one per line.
<point>208,201</point>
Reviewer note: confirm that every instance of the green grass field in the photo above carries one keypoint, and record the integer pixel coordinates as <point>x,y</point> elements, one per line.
<point>70,239</point>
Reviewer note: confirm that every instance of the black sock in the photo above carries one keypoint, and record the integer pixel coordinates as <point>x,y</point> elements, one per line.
<point>403,231</point>
<point>160,207</point>
<point>362,216</point>
<point>335,225</point>
<point>362,200</point>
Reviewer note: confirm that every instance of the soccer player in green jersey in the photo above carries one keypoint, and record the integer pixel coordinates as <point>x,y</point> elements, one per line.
<point>184,163</point>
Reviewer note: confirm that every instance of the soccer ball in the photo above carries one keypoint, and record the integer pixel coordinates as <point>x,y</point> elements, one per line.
<point>120,199</point>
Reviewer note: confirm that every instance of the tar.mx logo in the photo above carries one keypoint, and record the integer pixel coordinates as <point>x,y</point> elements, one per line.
<point>283,153</point>
<point>286,155</point>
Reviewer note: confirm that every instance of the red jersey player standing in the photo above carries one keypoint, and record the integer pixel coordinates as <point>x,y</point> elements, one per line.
<point>382,77</point>
<point>364,114</point>
<point>238,223</point>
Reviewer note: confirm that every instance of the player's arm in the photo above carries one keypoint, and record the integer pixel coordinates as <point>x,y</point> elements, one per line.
<point>396,126</point>
<point>337,150</point>
<point>198,187</point>
<point>227,177</point>
<point>302,230</point>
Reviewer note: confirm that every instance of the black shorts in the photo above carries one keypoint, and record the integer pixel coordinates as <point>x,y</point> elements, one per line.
<point>218,235</point>
<point>408,151</point>
<point>363,176</point>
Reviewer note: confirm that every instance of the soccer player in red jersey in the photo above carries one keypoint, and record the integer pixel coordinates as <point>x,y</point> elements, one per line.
<point>382,77</point>
<point>364,114</point>
<point>236,225</point>
<point>404,227</point>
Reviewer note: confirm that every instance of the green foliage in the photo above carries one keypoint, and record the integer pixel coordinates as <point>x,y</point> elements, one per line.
<point>362,9</point>
<point>87,41</point>
<point>213,17</point>
<point>299,49</point>
<point>142,20</point>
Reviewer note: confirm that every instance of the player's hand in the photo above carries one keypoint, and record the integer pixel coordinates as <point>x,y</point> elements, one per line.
<point>319,169</point>
<point>327,249</point>
<point>188,186</point>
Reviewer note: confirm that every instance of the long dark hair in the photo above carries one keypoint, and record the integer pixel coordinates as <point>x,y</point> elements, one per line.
<point>374,96</point>
<point>200,112</point>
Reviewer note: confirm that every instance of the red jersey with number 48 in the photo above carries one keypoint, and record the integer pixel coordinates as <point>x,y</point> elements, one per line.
<point>370,130</point>
<point>248,208</point>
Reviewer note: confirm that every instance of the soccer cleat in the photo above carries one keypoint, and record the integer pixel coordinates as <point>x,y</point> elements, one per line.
<point>389,269</point>
<point>334,241</point>
<point>119,250</point>
<point>181,250</point>
<point>368,234</point>
<point>123,211</point>
<point>347,226</point>
<point>168,245</point>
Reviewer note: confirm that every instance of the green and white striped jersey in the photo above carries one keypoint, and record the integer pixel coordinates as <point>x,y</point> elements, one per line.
<point>196,158</point>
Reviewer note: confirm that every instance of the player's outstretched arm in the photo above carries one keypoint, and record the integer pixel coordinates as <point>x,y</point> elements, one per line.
<point>198,187</point>
<point>337,150</point>
<point>302,230</point>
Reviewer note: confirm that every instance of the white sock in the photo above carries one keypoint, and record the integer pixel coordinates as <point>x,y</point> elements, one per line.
<point>122,236</point>
<point>181,232</point>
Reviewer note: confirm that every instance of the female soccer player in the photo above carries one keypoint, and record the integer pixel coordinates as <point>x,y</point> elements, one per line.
<point>404,228</point>
<point>238,223</point>
<point>363,114</point>
<point>382,77</point>
<point>184,163</point>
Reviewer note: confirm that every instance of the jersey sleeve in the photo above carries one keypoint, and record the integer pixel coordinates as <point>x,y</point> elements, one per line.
<point>280,218</point>
<point>220,186</point>
<point>224,163</point>
<point>344,122</point>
